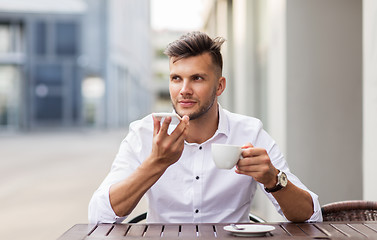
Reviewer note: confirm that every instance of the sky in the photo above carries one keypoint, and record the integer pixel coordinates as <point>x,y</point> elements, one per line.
<point>176,14</point>
<point>165,14</point>
<point>43,5</point>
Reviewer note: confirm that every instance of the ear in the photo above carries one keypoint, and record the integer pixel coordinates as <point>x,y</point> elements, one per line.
<point>221,86</point>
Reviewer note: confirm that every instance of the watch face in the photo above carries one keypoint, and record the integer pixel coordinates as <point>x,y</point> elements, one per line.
<point>283,180</point>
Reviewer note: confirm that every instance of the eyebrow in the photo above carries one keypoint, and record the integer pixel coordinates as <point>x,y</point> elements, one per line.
<point>192,75</point>
<point>199,74</point>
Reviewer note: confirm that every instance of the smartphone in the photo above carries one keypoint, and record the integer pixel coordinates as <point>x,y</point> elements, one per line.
<point>175,118</point>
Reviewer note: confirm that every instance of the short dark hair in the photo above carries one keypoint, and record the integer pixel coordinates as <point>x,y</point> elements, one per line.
<point>196,43</point>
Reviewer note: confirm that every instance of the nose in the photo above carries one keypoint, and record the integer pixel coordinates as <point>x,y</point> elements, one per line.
<point>186,88</point>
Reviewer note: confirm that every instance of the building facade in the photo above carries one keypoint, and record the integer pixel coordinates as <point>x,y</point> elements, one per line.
<point>86,63</point>
<point>297,65</point>
<point>39,72</point>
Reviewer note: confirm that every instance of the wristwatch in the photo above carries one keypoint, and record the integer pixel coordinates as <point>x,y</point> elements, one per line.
<point>282,183</point>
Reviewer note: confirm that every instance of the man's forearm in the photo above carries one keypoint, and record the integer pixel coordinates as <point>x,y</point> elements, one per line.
<point>296,203</point>
<point>166,150</point>
<point>125,195</point>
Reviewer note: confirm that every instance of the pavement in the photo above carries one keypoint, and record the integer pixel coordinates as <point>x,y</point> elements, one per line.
<point>47,179</point>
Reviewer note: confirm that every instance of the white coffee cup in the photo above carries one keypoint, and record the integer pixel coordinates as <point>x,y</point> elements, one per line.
<point>226,156</point>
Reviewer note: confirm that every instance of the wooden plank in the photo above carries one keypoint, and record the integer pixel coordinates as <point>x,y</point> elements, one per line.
<point>221,233</point>
<point>77,232</point>
<point>119,230</point>
<point>170,230</point>
<point>372,226</point>
<point>101,230</point>
<point>188,230</point>
<point>206,231</point>
<point>330,230</point>
<point>278,231</point>
<point>363,230</point>
<point>153,230</point>
<point>292,229</point>
<point>136,230</point>
<point>346,230</point>
<point>311,230</point>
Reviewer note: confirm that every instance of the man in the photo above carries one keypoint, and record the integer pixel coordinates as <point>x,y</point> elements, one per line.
<point>173,166</point>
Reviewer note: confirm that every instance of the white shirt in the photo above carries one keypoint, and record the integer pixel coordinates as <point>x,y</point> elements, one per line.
<point>193,190</point>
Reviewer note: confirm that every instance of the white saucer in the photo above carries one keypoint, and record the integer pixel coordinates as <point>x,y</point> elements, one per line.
<point>249,230</point>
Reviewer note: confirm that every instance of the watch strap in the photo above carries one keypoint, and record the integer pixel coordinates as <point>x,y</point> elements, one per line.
<point>278,185</point>
<point>274,189</point>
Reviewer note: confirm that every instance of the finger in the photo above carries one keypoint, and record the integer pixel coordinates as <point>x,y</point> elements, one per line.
<point>249,168</point>
<point>184,122</point>
<point>253,152</point>
<point>245,150</point>
<point>165,125</point>
<point>249,173</point>
<point>156,125</point>
<point>180,142</point>
<point>182,136</point>
<point>258,161</point>
<point>247,145</point>
<point>254,171</point>
<point>246,161</point>
<point>240,171</point>
<point>186,119</point>
<point>181,127</point>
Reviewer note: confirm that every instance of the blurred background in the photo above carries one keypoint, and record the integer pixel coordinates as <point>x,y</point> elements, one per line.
<point>75,73</point>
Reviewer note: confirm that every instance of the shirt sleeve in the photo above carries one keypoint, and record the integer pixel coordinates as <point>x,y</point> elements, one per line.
<point>317,214</point>
<point>126,161</point>
<point>280,163</point>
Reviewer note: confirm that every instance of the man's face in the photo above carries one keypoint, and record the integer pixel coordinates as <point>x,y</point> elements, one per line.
<point>194,85</point>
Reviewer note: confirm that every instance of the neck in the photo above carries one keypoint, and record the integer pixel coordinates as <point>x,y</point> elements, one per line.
<point>203,128</point>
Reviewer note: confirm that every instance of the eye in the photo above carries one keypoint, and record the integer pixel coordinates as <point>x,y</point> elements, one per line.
<point>197,77</point>
<point>174,78</point>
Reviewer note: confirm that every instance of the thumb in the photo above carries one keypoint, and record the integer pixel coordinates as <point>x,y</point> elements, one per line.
<point>156,126</point>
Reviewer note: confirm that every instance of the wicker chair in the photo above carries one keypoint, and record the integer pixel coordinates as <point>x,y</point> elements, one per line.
<point>356,210</point>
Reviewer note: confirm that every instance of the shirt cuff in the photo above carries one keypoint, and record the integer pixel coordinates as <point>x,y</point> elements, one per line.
<point>100,210</point>
<point>317,215</point>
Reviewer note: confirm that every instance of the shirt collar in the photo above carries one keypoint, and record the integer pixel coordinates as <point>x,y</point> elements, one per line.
<point>223,126</point>
<point>223,122</point>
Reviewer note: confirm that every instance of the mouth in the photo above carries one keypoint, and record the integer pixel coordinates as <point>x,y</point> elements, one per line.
<point>185,103</point>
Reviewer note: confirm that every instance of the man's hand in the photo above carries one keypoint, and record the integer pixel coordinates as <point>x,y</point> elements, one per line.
<point>257,164</point>
<point>296,203</point>
<point>167,149</point>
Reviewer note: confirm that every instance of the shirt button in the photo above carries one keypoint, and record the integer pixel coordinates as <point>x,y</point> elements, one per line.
<point>200,148</point>
<point>197,210</point>
<point>197,177</point>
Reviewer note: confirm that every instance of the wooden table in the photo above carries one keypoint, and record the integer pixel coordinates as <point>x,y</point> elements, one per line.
<point>326,230</point>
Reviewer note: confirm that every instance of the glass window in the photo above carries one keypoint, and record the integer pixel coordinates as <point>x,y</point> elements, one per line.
<point>49,108</point>
<point>11,38</point>
<point>50,74</point>
<point>5,43</point>
<point>40,39</point>
<point>9,95</point>
<point>66,39</point>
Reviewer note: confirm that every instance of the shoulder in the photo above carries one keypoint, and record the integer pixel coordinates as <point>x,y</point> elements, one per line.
<point>139,135</point>
<point>144,124</point>
<point>243,121</point>
<point>250,129</point>
<point>140,130</point>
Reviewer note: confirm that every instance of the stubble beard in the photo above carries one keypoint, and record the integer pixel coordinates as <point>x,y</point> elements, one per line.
<point>202,110</point>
